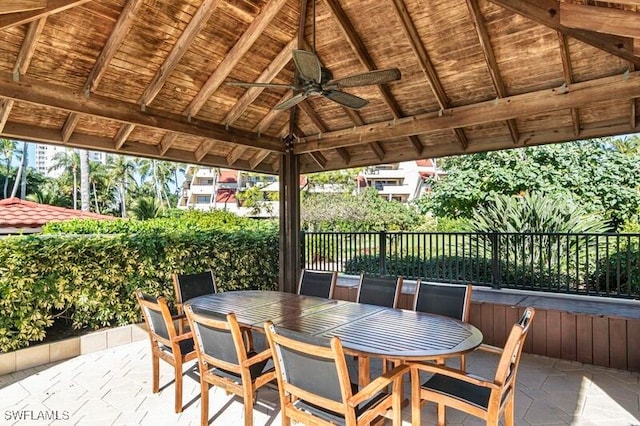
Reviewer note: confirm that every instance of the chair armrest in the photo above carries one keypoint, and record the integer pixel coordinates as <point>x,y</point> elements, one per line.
<point>456,374</point>
<point>377,385</point>
<point>179,316</point>
<point>185,336</point>
<point>491,349</point>
<point>266,354</point>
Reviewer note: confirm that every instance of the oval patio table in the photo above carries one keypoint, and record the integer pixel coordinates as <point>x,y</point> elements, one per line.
<point>365,330</point>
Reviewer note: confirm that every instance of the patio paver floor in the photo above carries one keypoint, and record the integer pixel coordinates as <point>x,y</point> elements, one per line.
<point>113,387</point>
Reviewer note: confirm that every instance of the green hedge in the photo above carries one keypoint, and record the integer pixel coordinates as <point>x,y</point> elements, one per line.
<point>91,279</point>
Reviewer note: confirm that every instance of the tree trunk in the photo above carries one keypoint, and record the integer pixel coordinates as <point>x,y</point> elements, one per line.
<point>23,178</point>
<point>23,164</point>
<point>95,197</point>
<point>85,198</point>
<point>75,187</point>
<point>123,194</point>
<point>6,179</point>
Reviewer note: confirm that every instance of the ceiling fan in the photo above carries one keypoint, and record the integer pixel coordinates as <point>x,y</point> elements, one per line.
<point>315,80</point>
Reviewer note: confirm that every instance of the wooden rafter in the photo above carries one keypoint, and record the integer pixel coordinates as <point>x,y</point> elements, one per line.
<point>547,14</point>
<point>606,20</point>
<point>490,58</point>
<point>633,121</point>
<point>61,98</point>
<point>258,158</point>
<point>101,143</point>
<point>53,7</point>
<point>321,127</point>
<point>360,50</point>
<point>604,89</point>
<point>22,62</point>
<point>375,146</point>
<point>410,31</point>
<point>568,78</point>
<point>236,53</point>
<point>269,73</point>
<point>15,6</point>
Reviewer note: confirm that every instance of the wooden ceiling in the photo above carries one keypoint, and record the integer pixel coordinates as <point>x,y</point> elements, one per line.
<point>147,77</point>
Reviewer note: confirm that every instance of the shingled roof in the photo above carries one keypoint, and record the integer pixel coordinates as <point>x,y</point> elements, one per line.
<point>148,78</point>
<point>21,216</point>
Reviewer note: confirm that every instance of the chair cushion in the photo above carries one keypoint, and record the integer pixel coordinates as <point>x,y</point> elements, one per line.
<point>463,391</point>
<point>186,346</point>
<point>338,418</point>
<point>256,370</point>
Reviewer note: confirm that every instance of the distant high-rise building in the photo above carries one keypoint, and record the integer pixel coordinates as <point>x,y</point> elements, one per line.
<point>44,159</point>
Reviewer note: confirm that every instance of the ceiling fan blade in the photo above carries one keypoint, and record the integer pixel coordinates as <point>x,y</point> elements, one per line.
<point>345,99</point>
<point>294,100</point>
<point>308,65</point>
<point>367,78</point>
<point>268,85</point>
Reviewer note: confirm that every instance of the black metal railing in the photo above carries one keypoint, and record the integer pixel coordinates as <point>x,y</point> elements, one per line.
<point>592,264</point>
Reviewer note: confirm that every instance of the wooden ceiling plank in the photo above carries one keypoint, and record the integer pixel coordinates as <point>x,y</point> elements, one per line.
<point>28,47</point>
<point>166,142</point>
<point>258,158</point>
<point>122,135</point>
<point>632,119</point>
<point>617,87</point>
<point>361,52</point>
<point>490,58</point>
<point>568,77</point>
<point>636,46</point>
<point>236,53</point>
<point>306,107</point>
<point>99,143</point>
<point>606,20</point>
<point>344,155</point>
<point>120,30</point>
<point>270,117</point>
<point>62,98</point>
<point>199,20</point>
<point>377,150</point>
<point>7,105</point>
<point>15,6</point>
<point>320,159</point>
<point>358,121</point>
<point>53,7</point>
<point>547,14</point>
<point>269,73</point>
<point>203,150</point>
<point>69,126</point>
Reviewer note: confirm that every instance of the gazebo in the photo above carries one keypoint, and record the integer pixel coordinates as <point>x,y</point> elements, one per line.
<point>150,78</point>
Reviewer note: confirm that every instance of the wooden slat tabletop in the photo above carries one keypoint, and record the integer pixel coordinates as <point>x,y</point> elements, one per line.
<point>364,329</point>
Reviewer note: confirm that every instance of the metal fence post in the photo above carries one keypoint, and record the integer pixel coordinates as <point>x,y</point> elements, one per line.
<point>382,245</point>
<point>496,278</point>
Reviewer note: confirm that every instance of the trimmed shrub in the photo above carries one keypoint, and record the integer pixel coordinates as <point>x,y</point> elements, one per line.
<point>91,279</point>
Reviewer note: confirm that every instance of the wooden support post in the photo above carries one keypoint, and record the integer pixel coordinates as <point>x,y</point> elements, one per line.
<point>289,218</point>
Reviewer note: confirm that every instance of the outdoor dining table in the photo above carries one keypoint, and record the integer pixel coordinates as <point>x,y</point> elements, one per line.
<point>365,330</point>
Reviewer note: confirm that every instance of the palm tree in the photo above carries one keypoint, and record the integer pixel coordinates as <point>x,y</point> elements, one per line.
<point>69,161</point>
<point>121,171</point>
<point>50,193</point>
<point>7,149</point>
<point>84,180</point>
<point>146,208</point>
<point>20,180</point>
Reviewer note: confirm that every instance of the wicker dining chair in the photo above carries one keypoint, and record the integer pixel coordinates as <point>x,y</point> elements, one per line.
<point>483,398</point>
<point>381,291</point>
<point>224,360</point>
<point>318,284</point>
<point>188,286</point>
<point>314,383</point>
<point>166,344</point>
<point>450,300</point>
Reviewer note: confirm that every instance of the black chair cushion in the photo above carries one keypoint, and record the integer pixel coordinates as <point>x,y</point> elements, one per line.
<point>379,291</point>
<point>463,391</point>
<point>316,284</point>
<point>186,346</point>
<point>256,370</point>
<point>442,300</point>
<point>194,285</point>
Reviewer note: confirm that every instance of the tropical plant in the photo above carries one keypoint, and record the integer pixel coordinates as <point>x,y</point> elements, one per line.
<point>145,208</point>
<point>7,151</point>
<point>49,193</point>
<point>121,172</point>
<point>69,162</point>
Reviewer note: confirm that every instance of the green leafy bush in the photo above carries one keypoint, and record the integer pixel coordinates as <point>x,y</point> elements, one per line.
<point>621,270</point>
<point>91,279</point>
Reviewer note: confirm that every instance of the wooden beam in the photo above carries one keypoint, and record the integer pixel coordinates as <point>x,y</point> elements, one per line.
<point>606,20</point>
<point>317,122</point>
<point>269,73</point>
<point>53,7</point>
<point>378,150</point>
<point>235,154</point>
<point>15,6</point>
<point>122,135</point>
<point>258,158</point>
<point>22,62</point>
<point>236,53</point>
<point>633,117</point>
<point>361,52</point>
<point>69,126</point>
<point>270,117</point>
<point>189,34</point>
<point>568,78</point>
<point>546,12</point>
<point>490,59</point>
<point>28,47</point>
<point>617,87</point>
<point>120,30</point>
<point>636,47</point>
<point>344,154</point>
<point>65,99</point>
<point>358,121</point>
<point>203,150</point>
<point>105,144</point>
<point>320,159</point>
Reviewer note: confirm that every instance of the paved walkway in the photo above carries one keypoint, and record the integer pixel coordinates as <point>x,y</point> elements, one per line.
<point>113,387</point>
